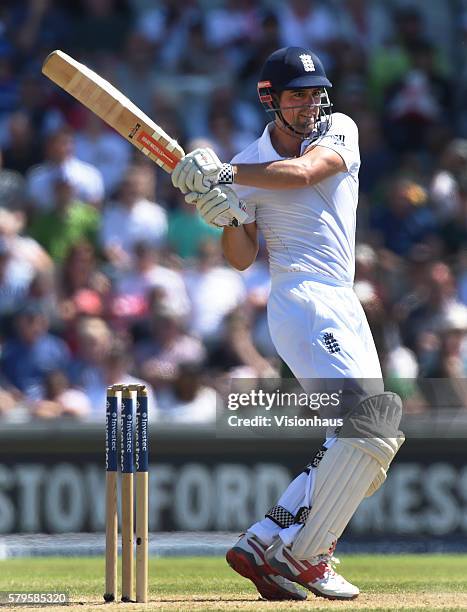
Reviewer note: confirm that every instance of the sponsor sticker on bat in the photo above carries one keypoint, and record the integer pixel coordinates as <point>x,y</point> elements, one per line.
<point>157,149</point>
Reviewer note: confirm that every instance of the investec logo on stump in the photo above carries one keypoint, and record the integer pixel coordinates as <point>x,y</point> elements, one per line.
<point>264,400</point>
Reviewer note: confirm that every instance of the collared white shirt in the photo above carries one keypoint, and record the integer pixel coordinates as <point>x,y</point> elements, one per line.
<point>86,180</point>
<point>311,229</point>
<point>171,282</point>
<point>214,293</point>
<point>108,152</point>
<point>145,221</point>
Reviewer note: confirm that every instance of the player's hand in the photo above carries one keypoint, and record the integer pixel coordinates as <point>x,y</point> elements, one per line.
<point>198,171</point>
<point>219,207</point>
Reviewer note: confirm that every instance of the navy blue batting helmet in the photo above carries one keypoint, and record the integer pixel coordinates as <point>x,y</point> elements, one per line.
<point>293,68</point>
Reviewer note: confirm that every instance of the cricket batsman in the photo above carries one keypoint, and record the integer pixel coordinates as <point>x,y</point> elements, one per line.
<point>298,184</point>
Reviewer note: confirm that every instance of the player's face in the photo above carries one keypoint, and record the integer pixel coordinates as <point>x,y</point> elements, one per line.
<point>300,108</point>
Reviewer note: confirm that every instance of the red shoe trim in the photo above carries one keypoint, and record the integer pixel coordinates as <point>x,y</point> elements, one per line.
<point>267,569</point>
<point>293,561</point>
<point>243,566</point>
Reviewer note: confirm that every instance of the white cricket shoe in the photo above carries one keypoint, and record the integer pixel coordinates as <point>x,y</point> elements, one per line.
<point>317,575</point>
<point>246,557</point>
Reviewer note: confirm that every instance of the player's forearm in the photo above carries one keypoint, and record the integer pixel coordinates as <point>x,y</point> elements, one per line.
<point>239,248</point>
<point>284,174</point>
<point>287,173</point>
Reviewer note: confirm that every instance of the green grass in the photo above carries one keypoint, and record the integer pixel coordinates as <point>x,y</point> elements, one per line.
<point>174,579</point>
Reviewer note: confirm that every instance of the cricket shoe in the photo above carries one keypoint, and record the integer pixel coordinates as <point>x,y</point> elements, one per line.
<point>246,557</point>
<point>317,575</point>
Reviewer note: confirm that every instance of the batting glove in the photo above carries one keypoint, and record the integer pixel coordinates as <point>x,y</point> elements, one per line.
<point>219,207</point>
<point>199,171</point>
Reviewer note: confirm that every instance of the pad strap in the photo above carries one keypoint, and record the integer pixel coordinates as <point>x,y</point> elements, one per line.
<point>316,459</point>
<point>302,514</point>
<point>281,516</point>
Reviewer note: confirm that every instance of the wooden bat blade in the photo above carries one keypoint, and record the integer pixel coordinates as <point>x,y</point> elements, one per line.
<point>114,108</point>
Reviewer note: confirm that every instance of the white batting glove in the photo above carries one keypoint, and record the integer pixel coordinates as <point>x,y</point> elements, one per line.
<point>219,207</point>
<point>199,171</point>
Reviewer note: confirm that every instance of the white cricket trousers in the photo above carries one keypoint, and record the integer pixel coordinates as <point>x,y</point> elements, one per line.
<point>320,331</point>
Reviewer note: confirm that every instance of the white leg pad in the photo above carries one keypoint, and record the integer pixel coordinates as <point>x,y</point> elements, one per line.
<point>382,474</point>
<point>343,479</point>
<point>350,470</point>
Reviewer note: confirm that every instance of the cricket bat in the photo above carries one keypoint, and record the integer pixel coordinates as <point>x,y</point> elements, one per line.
<point>115,109</point>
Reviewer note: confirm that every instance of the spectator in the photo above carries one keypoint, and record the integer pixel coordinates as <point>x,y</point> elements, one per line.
<point>39,24</point>
<point>449,366</point>
<point>136,75</point>
<point>364,24</point>
<point>160,355</point>
<point>8,81</point>
<point>133,218</point>
<point>8,404</point>
<point>235,353</point>
<point>22,149</point>
<point>416,103</point>
<point>93,341</point>
<point>214,290</point>
<point>102,360</point>
<point>452,358</point>
<point>43,291</point>
<point>61,164</point>
<point>390,62</point>
<point>454,230</point>
<point>226,137</point>
<point>462,276</point>
<point>60,399</point>
<point>12,187</point>
<point>101,26</point>
<point>407,220</point>
<point>45,113</point>
<point>461,90</point>
<point>265,43</point>
<point>132,290</point>
<point>28,357</point>
<point>202,58</point>
<point>23,247</point>
<point>422,323</point>
<point>187,231</point>
<point>82,284</point>
<point>189,400</point>
<point>118,363</point>
<point>445,187</point>
<point>104,149</point>
<point>15,277</point>
<point>235,23</point>
<point>377,159</point>
<point>68,222</point>
<point>307,23</point>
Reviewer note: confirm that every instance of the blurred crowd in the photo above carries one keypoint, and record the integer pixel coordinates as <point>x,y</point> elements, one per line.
<point>106,275</point>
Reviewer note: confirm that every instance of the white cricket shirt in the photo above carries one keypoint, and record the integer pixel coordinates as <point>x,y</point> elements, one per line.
<point>311,229</point>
